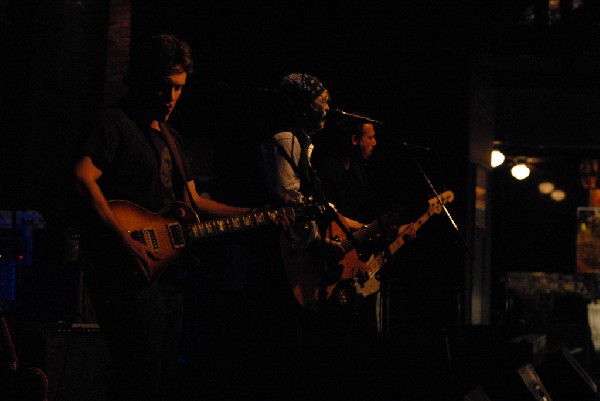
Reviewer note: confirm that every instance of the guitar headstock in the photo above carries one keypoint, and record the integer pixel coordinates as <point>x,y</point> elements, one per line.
<point>434,203</point>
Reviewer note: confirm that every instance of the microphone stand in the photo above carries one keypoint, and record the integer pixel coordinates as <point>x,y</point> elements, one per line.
<point>434,191</point>
<point>439,199</point>
<point>448,357</point>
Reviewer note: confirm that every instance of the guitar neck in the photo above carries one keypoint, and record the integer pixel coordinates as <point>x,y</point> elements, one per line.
<point>217,227</point>
<point>368,232</point>
<point>378,260</point>
<point>400,241</point>
<point>370,284</point>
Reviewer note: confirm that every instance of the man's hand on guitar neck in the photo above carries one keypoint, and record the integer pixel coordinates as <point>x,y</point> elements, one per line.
<point>283,221</point>
<point>407,231</point>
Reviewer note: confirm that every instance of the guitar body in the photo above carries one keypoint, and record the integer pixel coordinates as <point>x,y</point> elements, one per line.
<point>309,274</point>
<point>351,262</point>
<point>305,272</point>
<point>164,232</point>
<point>352,267</point>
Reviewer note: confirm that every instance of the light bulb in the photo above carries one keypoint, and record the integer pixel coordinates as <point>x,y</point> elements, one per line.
<point>558,195</point>
<point>497,158</point>
<point>546,187</point>
<point>520,171</point>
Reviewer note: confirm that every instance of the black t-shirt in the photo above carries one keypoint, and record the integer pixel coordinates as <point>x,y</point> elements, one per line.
<point>348,189</point>
<point>136,166</point>
<point>136,163</point>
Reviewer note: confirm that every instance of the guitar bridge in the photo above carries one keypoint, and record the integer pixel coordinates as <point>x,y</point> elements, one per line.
<point>176,234</point>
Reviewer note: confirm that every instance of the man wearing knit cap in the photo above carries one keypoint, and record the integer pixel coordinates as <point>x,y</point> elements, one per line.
<point>306,93</point>
<point>304,248</point>
<point>290,178</point>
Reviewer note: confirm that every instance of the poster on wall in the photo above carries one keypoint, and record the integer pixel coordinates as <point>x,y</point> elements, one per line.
<point>588,239</point>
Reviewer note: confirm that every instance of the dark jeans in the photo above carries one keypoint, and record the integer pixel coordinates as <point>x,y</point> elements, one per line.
<point>142,329</point>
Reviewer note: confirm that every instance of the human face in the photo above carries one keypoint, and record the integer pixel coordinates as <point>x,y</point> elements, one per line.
<point>367,141</point>
<point>167,95</point>
<point>317,113</point>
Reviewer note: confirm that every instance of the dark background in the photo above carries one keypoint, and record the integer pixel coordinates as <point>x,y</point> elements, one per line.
<point>406,63</point>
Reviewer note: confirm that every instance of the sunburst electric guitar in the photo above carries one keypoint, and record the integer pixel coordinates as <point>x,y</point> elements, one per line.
<point>169,232</point>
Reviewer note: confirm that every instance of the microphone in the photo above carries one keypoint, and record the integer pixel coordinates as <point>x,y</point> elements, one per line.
<point>415,147</point>
<point>341,113</point>
<point>412,147</point>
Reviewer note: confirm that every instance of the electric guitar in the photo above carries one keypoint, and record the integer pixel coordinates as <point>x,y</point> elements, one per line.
<point>352,261</point>
<point>169,232</point>
<point>309,279</point>
<point>361,277</point>
<point>20,383</point>
<point>370,283</point>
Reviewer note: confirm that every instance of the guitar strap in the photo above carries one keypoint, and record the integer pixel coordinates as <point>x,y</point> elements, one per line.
<point>316,187</point>
<point>177,156</point>
<point>287,157</point>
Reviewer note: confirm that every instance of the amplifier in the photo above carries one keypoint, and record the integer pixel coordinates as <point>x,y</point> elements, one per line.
<point>77,363</point>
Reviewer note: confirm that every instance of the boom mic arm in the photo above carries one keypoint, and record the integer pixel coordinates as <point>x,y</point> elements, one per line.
<point>341,113</point>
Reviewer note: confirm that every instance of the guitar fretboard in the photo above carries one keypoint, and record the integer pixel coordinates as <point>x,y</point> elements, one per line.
<point>377,262</point>
<point>213,228</point>
<point>434,208</point>
<point>369,231</point>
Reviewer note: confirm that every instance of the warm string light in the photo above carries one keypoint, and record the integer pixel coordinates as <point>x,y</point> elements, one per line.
<point>497,158</point>
<point>546,187</point>
<point>520,171</point>
<point>558,195</point>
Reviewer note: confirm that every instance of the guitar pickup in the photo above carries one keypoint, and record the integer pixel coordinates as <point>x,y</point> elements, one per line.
<point>146,236</point>
<point>176,234</point>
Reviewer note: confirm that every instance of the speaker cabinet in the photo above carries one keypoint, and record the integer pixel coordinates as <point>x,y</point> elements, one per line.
<point>77,364</point>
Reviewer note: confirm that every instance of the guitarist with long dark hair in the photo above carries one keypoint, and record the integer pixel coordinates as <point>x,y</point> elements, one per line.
<point>132,153</point>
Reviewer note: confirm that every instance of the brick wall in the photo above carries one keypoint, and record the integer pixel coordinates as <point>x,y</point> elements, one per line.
<point>117,48</point>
